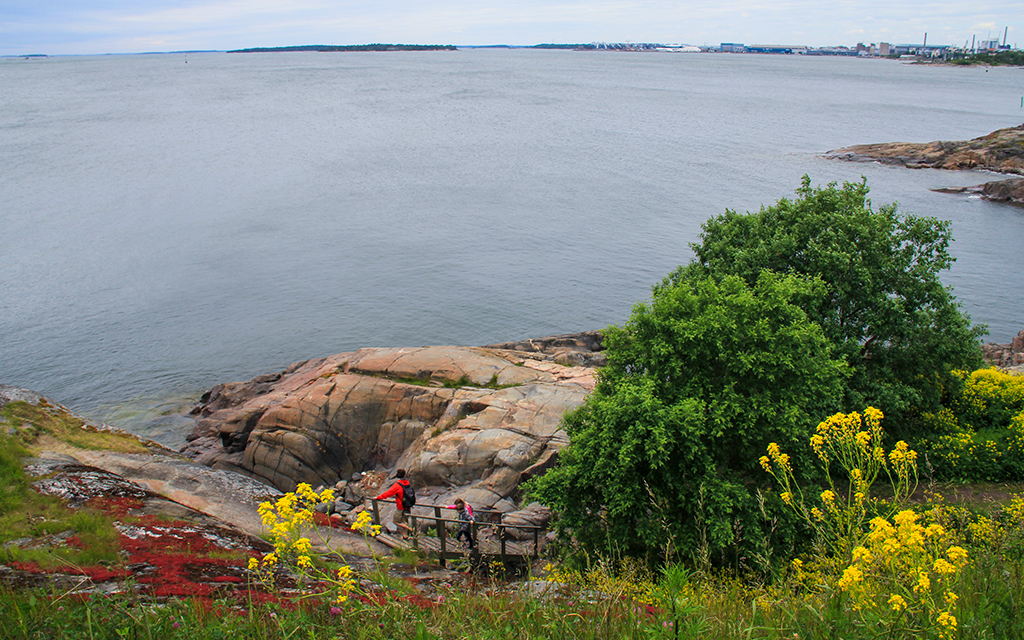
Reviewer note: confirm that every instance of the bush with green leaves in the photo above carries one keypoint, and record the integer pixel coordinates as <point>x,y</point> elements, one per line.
<point>802,309</point>
<point>663,454</point>
<point>885,312</point>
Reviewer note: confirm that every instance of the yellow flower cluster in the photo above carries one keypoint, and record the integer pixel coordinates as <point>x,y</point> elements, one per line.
<point>287,522</point>
<point>981,432</point>
<point>851,442</point>
<point>364,523</point>
<point>905,565</point>
<point>345,583</point>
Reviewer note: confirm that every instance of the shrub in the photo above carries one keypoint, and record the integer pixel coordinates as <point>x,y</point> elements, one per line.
<point>979,433</point>
<point>662,453</point>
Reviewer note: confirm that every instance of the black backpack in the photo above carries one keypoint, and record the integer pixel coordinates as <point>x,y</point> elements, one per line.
<point>408,497</point>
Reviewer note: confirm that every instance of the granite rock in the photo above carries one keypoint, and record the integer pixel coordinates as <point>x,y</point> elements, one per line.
<point>476,421</point>
<point>1001,151</point>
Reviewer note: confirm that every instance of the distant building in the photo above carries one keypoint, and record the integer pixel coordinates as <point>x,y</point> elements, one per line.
<point>733,47</point>
<point>769,48</point>
<point>883,49</point>
<point>832,51</point>
<point>988,45</point>
<point>928,51</point>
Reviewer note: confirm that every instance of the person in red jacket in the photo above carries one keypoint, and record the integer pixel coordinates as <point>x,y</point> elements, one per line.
<point>398,490</point>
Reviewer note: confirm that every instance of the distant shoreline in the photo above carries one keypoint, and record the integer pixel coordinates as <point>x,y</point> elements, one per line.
<point>351,47</point>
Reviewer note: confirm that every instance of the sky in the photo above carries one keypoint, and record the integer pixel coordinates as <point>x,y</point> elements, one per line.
<point>62,27</point>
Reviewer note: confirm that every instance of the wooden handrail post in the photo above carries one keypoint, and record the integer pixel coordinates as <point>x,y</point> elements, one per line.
<point>500,528</point>
<point>536,537</point>
<point>442,535</point>
<point>376,512</point>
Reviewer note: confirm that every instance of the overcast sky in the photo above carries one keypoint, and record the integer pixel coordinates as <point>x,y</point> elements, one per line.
<point>125,26</point>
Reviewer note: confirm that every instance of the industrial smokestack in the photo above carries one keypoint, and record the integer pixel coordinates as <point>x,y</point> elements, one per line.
<point>1005,29</point>
<point>925,45</point>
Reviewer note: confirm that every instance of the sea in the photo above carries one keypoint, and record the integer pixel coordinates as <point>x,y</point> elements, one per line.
<point>169,222</point>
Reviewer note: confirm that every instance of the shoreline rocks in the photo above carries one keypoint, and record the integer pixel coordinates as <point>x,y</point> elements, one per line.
<point>470,422</point>
<point>1001,151</point>
<point>1006,356</point>
<point>1010,191</point>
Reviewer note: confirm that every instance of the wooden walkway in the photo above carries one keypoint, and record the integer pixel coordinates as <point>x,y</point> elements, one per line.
<point>443,545</point>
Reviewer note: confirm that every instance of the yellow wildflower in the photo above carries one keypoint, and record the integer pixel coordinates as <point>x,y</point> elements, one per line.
<point>897,602</point>
<point>850,576</point>
<point>948,620</point>
<point>935,531</point>
<point>943,567</point>
<point>957,555</point>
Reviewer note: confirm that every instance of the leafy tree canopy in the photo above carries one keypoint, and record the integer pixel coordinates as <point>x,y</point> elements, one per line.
<point>886,312</point>
<point>698,382</point>
<point>787,315</point>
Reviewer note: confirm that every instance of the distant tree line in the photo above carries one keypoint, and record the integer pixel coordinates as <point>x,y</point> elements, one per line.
<point>352,47</point>
<point>574,47</point>
<point>1013,58</point>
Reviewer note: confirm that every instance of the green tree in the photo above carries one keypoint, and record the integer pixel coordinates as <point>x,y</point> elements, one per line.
<point>698,382</point>
<point>886,312</point>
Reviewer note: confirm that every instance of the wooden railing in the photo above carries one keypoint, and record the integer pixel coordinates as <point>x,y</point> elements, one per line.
<point>506,550</point>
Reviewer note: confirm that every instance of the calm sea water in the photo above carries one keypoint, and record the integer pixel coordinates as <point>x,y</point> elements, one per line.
<point>171,222</point>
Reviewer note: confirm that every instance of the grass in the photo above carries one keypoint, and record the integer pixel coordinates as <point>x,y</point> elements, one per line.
<point>28,514</point>
<point>459,383</point>
<point>596,604</point>
<point>25,513</point>
<point>41,426</point>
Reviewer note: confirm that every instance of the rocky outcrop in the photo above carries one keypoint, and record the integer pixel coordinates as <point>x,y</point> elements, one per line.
<point>1001,151</point>
<point>1011,190</point>
<point>176,487</point>
<point>472,422</point>
<point>533,515</point>
<point>1006,356</point>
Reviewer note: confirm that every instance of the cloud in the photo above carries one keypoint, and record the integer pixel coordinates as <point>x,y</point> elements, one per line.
<point>96,26</point>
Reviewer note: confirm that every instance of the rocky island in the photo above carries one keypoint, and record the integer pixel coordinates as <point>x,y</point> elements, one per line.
<point>1001,151</point>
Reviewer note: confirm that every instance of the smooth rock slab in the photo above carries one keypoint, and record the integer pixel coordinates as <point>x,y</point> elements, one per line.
<point>459,418</point>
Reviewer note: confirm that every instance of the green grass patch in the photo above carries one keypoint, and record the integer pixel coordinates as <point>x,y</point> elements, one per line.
<point>461,382</point>
<point>31,423</point>
<point>25,513</point>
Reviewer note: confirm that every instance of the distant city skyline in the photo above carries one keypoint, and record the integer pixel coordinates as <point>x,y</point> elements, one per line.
<point>68,27</point>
